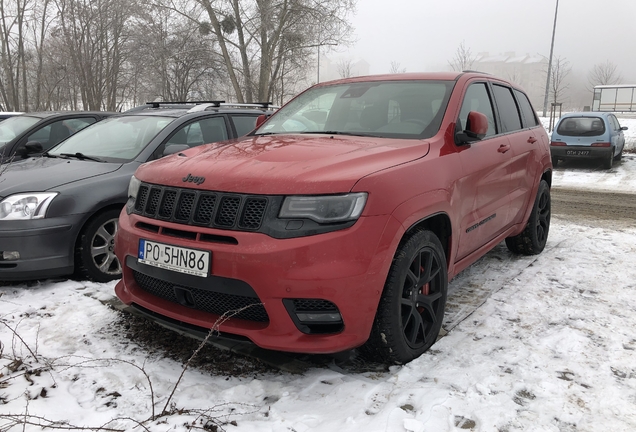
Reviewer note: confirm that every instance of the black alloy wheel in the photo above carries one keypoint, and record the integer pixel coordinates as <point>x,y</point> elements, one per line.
<point>411,309</point>
<point>534,237</point>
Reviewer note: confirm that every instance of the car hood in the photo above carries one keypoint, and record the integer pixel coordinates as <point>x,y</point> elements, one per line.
<point>43,173</point>
<point>282,164</point>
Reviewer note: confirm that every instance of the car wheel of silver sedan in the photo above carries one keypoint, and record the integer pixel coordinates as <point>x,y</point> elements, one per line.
<point>95,255</point>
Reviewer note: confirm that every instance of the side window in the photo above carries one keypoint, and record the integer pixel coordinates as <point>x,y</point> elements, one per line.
<point>204,131</point>
<point>529,116</point>
<point>615,125</point>
<point>200,132</point>
<point>508,111</point>
<point>477,99</point>
<point>58,131</point>
<point>244,124</point>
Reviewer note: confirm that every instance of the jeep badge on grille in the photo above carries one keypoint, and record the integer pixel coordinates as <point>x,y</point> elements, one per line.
<point>192,179</point>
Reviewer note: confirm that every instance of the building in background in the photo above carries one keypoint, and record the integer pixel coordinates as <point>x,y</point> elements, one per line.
<point>527,71</point>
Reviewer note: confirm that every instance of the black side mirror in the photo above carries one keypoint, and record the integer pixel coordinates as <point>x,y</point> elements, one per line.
<point>174,148</point>
<point>623,128</point>
<point>32,147</point>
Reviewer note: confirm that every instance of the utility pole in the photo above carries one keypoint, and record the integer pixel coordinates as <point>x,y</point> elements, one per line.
<point>547,83</point>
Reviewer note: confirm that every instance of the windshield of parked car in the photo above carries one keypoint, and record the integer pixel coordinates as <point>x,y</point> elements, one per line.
<point>581,126</point>
<point>116,139</point>
<point>14,126</point>
<point>391,109</point>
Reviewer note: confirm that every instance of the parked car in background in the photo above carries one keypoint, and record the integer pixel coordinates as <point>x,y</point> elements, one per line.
<point>588,135</point>
<point>339,221</point>
<point>33,133</point>
<point>8,114</point>
<point>59,211</point>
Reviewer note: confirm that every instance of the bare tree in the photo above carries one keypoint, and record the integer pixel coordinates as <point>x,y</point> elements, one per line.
<point>258,38</point>
<point>396,68</point>
<point>463,59</point>
<point>345,68</point>
<point>604,74</point>
<point>559,84</point>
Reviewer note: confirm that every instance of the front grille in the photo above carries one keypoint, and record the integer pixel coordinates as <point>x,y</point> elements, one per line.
<point>207,301</point>
<point>202,208</point>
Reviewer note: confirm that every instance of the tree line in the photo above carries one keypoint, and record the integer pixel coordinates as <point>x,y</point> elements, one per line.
<point>114,54</point>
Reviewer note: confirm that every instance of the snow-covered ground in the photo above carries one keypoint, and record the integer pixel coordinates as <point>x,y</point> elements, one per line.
<point>552,348</point>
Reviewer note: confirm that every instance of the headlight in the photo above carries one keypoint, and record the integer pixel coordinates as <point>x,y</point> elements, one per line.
<point>133,187</point>
<point>324,209</point>
<point>26,206</point>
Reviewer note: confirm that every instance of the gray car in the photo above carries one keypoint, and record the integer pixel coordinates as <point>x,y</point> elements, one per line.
<point>59,211</point>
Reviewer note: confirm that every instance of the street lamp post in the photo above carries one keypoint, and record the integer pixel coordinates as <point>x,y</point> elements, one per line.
<point>547,83</point>
<point>319,45</point>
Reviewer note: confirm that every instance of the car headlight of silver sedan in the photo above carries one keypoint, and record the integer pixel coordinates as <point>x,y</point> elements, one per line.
<point>26,206</point>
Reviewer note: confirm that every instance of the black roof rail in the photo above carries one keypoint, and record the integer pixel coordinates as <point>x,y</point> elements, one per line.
<point>158,104</point>
<point>265,105</point>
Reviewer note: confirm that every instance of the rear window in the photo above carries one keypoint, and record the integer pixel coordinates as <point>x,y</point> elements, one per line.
<point>581,126</point>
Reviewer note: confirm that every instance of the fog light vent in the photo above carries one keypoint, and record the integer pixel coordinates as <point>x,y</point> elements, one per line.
<point>314,316</point>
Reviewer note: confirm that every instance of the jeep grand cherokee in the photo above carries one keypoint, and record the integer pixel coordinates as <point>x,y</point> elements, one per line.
<point>339,221</point>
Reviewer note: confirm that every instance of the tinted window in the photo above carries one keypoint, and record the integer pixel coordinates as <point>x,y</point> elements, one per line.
<point>477,99</point>
<point>581,126</point>
<point>508,112</point>
<point>244,124</point>
<point>529,116</point>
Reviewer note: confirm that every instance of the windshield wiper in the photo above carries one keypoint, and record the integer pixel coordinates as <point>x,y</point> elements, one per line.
<point>82,156</point>
<point>360,133</point>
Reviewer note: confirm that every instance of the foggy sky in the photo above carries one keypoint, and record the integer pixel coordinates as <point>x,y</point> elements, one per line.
<point>423,35</point>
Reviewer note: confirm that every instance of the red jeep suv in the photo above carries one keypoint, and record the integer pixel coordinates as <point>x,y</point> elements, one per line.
<point>339,221</point>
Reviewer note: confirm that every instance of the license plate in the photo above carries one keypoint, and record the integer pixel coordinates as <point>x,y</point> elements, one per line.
<point>175,258</point>
<point>577,152</point>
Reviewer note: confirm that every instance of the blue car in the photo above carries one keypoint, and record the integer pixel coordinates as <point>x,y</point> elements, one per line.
<point>588,135</point>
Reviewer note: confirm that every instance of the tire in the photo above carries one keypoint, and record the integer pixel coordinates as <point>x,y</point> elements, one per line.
<point>534,237</point>
<point>555,162</point>
<point>95,256</point>
<point>608,162</point>
<point>411,309</point>
<point>619,156</point>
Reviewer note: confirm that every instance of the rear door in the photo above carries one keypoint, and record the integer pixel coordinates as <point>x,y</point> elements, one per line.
<point>485,185</point>
<point>524,132</point>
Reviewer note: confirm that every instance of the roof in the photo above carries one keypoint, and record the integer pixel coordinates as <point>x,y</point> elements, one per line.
<point>586,114</point>
<point>441,76</point>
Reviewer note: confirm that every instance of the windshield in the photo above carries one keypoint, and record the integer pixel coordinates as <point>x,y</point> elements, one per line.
<point>14,126</point>
<point>391,109</point>
<point>116,139</point>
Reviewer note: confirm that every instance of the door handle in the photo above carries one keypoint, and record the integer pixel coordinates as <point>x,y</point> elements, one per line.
<point>503,148</point>
<point>532,140</point>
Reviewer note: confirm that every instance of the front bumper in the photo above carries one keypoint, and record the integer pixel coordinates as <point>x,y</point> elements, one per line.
<point>46,247</point>
<point>347,268</point>
<point>580,152</point>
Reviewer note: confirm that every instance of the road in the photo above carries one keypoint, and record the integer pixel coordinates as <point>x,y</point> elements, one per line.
<point>599,207</point>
